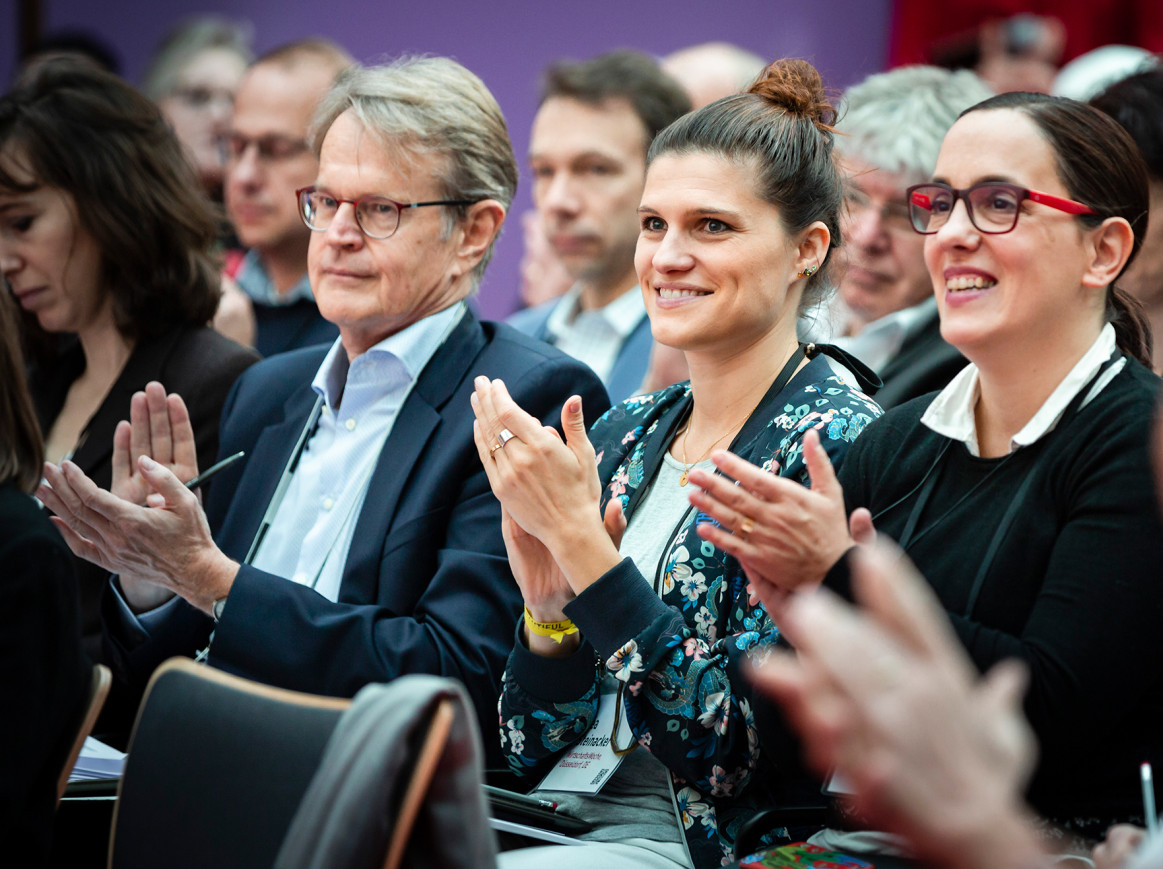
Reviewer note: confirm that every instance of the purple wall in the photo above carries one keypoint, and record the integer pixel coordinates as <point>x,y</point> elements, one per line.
<point>507,44</point>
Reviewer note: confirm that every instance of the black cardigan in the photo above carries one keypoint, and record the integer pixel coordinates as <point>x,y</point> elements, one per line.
<point>1075,589</point>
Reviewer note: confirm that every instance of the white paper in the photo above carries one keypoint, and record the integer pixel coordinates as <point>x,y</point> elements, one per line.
<point>97,760</point>
<point>586,767</point>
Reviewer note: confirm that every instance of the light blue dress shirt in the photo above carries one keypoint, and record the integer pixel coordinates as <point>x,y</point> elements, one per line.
<point>311,531</point>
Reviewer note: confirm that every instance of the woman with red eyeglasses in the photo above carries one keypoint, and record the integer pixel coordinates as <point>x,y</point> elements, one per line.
<point>1023,490</point>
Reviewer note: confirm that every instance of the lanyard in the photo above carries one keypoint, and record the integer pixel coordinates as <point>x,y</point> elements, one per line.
<point>909,535</point>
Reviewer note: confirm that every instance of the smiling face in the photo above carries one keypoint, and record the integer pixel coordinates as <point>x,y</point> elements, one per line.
<point>885,258</point>
<point>372,288</point>
<point>716,266</point>
<point>1021,293</point>
<point>588,163</point>
<point>51,263</point>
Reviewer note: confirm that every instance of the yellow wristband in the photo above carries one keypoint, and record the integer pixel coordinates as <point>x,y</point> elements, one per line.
<point>556,631</point>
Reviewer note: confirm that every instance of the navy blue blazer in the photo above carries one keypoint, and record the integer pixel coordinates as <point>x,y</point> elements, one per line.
<point>630,365</point>
<point>925,363</point>
<point>279,328</point>
<point>426,587</point>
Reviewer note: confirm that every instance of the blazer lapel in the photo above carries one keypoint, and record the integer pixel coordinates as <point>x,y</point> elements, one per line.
<point>403,453</point>
<point>264,468</point>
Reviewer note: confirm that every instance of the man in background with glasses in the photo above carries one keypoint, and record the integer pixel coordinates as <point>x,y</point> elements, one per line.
<point>267,159</point>
<point>358,539</point>
<point>885,312</point>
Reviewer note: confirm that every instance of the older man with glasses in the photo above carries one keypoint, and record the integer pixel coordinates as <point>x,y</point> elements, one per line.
<point>885,312</point>
<point>358,540</point>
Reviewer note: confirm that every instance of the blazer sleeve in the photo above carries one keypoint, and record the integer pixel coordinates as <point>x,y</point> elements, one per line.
<point>454,622</point>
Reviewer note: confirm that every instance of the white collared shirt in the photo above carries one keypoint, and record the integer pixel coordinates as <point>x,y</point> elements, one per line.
<point>951,413</point>
<point>311,533</point>
<point>881,340</point>
<point>595,337</point>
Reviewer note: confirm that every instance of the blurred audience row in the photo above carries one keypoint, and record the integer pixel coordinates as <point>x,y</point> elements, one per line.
<point>925,313</point>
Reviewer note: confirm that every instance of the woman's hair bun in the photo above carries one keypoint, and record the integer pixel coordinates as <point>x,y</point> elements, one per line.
<point>796,86</point>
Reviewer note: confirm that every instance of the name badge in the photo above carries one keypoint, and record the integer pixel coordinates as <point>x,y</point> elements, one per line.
<point>586,767</point>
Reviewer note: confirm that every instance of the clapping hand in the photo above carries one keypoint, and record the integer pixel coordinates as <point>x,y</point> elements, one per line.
<point>785,535</point>
<point>158,427</point>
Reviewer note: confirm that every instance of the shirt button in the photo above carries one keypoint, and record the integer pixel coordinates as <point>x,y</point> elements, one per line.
<point>328,503</point>
<point>350,424</point>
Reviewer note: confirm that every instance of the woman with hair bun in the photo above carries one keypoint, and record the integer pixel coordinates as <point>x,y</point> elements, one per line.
<point>1023,490</point>
<point>632,618</point>
<point>104,243</point>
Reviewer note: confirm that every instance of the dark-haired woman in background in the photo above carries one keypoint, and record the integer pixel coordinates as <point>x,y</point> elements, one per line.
<point>1023,491</point>
<point>44,676</point>
<point>738,217</point>
<point>104,240</point>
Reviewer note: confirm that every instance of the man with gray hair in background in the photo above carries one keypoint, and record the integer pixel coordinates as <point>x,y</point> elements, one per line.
<point>358,539</point>
<point>886,313</point>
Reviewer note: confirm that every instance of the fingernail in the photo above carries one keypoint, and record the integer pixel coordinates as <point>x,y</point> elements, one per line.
<point>575,405</point>
<point>148,463</point>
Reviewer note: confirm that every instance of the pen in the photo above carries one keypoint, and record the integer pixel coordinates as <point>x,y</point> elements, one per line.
<point>1149,800</point>
<point>214,469</point>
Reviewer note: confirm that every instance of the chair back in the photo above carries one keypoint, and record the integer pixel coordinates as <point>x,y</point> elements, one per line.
<point>399,785</point>
<point>216,768</point>
<point>98,691</point>
<point>427,763</point>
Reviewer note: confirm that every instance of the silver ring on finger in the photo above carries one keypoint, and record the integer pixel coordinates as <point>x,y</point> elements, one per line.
<point>504,437</point>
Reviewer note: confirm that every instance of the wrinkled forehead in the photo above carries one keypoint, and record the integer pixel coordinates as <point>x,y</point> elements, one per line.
<point>403,162</point>
<point>276,100</point>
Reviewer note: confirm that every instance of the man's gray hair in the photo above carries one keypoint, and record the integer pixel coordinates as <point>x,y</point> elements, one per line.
<point>896,120</point>
<point>432,105</point>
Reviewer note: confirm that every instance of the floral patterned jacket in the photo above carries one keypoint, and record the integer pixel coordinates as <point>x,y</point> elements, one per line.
<point>679,654</point>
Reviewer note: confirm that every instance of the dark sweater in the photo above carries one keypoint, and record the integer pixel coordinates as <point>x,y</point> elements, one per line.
<point>44,676</point>
<point>1075,589</point>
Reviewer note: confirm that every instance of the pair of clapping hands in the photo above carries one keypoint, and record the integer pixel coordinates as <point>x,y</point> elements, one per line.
<point>148,527</point>
<point>785,535</point>
<point>883,692</point>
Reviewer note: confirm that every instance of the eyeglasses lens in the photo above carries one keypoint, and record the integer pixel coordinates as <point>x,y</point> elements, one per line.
<point>377,217</point>
<point>993,208</point>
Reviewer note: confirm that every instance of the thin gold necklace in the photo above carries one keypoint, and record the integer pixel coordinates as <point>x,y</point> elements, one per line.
<point>686,468</point>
